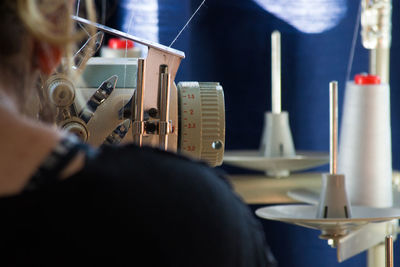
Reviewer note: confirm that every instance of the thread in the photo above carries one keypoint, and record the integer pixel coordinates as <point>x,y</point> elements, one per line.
<point>126,49</point>
<point>78,4</point>
<point>353,43</point>
<point>188,22</point>
<point>140,18</point>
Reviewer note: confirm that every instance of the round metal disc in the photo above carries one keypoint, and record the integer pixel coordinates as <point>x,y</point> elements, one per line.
<point>254,161</point>
<point>304,195</point>
<point>305,215</point>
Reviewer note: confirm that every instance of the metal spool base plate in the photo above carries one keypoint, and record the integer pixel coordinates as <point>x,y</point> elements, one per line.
<point>254,161</point>
<point>305,215</point>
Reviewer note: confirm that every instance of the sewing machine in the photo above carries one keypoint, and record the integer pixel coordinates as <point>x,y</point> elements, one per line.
<point>136,100</point>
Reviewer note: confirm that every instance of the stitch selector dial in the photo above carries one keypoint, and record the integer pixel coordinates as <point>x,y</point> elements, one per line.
<point>202,121</point>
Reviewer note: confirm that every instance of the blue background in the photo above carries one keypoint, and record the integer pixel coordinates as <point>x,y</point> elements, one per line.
<point>229,41</point>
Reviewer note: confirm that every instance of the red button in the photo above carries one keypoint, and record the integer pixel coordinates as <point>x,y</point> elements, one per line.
<point>115,43</point>
<point>366,79</point>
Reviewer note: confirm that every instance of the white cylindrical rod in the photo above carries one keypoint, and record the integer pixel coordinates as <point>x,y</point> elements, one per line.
<point>333,125</point>
<point>276,72</point>
<point>379,63</point>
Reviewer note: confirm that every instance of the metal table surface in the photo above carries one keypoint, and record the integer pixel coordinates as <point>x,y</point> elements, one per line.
<point>260,189</point>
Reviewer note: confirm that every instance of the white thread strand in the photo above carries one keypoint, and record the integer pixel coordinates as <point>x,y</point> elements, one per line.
<point>126,54</point>
<point>77,8</point>
<point>77,14</point>
<point>353,44</point>
<point>188,22</point>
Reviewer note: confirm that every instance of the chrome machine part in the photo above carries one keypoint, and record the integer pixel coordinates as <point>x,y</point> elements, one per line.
<point>88,50</point>
<point>150,44</point>
<point>155,86</point>
<point>363,239</point>
<point>62,93</point>
<point>202,121</point>
<point>376,35</point>
<point>154,108</point>
<point>148,90</point>
<point>333,202</point>
<point>107,122</point>
<point>137,107</point>
<point>152,123</point>
<point>61,90</point>
<point>164,127</point>
<point>119,133</point>
<point>98,98</point>
<point>389,251</point>
<point>77,127</point>
<point>333,122</point>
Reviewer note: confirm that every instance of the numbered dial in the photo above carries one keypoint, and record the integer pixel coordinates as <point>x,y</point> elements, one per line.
<point>202,121</point>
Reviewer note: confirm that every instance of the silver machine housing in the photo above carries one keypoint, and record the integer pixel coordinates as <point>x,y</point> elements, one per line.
<point>120,100</point>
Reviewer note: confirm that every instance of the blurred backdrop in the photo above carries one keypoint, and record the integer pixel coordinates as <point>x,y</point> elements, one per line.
<point>229,42</point>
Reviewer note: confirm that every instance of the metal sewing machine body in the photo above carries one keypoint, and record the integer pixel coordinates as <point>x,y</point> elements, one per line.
<point>140,102</point>
<point>376,21</point>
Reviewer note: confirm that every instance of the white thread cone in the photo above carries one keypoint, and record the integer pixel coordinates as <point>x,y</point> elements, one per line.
<point>365,145</point>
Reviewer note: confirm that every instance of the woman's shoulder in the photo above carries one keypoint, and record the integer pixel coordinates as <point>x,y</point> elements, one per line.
<point>177,209</point>
<point>191,203</point>
<point>151,165</point>
<point>153,175</point>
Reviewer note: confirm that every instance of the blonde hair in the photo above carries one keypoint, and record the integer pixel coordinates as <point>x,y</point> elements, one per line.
<point>48,22</point>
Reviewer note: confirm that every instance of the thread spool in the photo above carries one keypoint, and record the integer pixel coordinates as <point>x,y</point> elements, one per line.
<point>118,48</point>
<point>365,146</point>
